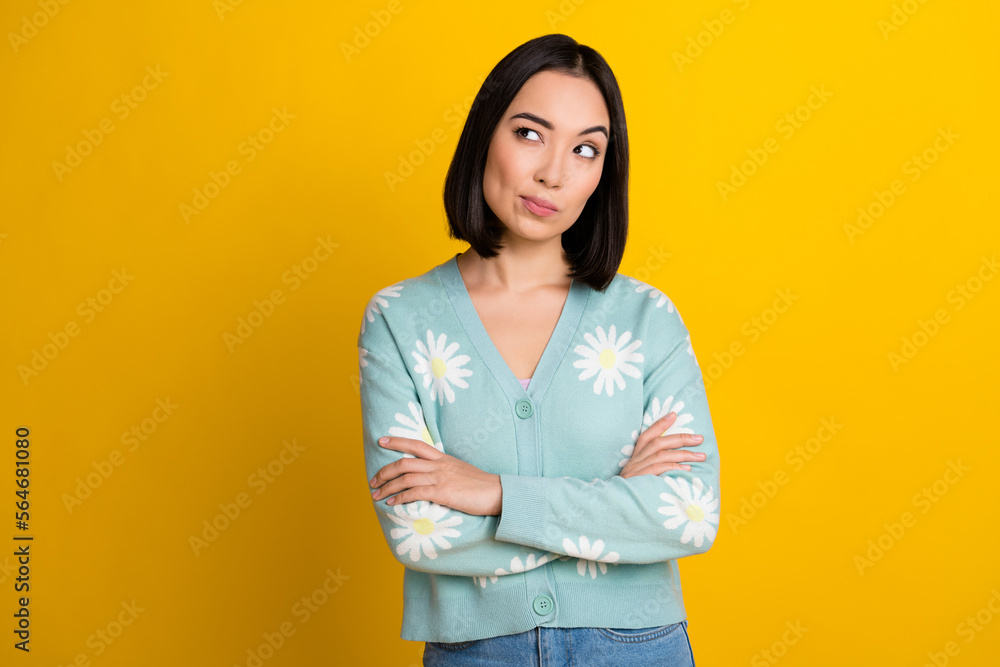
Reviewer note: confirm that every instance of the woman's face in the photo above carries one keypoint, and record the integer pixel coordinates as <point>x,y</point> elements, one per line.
<point>549,147</point>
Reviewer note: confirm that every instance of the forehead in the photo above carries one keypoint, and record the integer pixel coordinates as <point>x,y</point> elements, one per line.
<point>562,99</point>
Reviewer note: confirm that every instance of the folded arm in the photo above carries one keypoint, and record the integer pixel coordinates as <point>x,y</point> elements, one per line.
<point>641,519</point>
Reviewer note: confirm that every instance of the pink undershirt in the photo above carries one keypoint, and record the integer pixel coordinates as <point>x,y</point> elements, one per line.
<point>524,383</point>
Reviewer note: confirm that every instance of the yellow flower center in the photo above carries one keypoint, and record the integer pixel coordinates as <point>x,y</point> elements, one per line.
<point>694,513</point>
<point>423,526</point>
<point>607,358</point>
<point>425,435</point>
<point>438,367</point>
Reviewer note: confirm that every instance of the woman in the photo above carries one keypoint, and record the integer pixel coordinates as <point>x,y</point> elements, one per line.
<point>525,405</point>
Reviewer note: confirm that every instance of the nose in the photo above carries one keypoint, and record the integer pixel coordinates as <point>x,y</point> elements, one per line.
<point>550,169</point>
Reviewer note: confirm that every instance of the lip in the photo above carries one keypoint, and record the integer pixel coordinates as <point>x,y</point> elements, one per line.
<point>539,206</point>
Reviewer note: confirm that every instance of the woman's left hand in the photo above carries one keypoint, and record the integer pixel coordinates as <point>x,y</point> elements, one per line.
<point>437,477</point>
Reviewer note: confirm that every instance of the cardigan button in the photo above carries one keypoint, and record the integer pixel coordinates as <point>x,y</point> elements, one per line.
<point>542,605</point>
<point>523,408</point>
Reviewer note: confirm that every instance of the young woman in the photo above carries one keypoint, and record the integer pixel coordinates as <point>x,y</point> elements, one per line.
<point>525,406</point>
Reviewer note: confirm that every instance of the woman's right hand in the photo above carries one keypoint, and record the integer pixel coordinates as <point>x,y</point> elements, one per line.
<point>655,453</point>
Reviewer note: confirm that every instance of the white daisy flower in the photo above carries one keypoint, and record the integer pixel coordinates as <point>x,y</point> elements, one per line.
<point>589,556</point>
<point>690,349</point>
<point>439,368</point>
<point>378,301</point>
<point>530,563</point>
<point>654,293</point>
<point>692,507</point>
<point>414,427</point>
<point>516,567</point>
<point>608,358</point>
<point>423,524</point>
<point>659,411</point>
<point>482,580</point>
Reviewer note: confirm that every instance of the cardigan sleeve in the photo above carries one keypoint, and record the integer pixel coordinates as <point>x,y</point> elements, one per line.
<point>643,519</point>
<point>422,535</point>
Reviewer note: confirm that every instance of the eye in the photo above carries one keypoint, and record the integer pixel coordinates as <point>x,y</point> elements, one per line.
<point>593,152</point>
<point>519,131</point>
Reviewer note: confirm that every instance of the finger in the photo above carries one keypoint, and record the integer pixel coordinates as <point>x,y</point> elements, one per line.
<point>676,440</point>
<point>396,468</point>
<point>420,488</point>
<point>418,448</point>
<point>656,428</point>
<point>390,489</point>
<point>669,456</point>
<point>660,468</point>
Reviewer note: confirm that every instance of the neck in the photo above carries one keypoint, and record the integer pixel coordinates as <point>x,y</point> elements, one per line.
<point>520,266</point>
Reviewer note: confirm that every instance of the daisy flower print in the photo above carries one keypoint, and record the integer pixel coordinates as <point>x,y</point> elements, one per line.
<point>654,294</point>
<point>516,567</point>
<point>690,506</point>
<point>608,357</point>
<point>441,369</point>
<point>414,427</point>
<point>423,525</point>
<point>380,300</point>
<point>589,556</point>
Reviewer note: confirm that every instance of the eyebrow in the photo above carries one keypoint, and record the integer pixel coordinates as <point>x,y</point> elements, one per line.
<point>547,125</point>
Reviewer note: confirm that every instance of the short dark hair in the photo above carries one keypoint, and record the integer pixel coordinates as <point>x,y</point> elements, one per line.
<point>595,243</point>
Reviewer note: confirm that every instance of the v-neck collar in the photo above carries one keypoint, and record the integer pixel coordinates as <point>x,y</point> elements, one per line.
<point>555,349</point>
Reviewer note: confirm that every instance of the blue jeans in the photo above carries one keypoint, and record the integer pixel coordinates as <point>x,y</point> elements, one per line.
<point>661,646</point>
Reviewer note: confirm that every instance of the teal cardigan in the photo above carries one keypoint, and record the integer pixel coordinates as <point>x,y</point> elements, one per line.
<point>576,544</point>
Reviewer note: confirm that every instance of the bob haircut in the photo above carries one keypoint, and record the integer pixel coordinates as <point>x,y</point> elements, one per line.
<point>595,243</point>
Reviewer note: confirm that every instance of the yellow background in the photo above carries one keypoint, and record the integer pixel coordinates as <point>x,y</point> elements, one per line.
<point>224,68</point>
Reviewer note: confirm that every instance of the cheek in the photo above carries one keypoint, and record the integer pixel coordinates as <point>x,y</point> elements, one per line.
<point>507,165</point>
<point>501,173</point>
<point>587,187</point>
<point>491,184</point>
